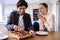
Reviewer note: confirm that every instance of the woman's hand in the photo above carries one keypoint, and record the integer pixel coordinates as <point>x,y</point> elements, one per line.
<point>43,19</point>
<point>32,32</point>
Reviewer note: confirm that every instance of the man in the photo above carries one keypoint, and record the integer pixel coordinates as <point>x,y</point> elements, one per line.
<point>19,20</point>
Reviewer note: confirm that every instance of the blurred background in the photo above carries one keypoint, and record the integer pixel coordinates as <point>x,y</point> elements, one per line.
<point>7,6</point>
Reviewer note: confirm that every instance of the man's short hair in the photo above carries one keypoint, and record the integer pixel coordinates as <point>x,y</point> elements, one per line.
<point>22,3</point>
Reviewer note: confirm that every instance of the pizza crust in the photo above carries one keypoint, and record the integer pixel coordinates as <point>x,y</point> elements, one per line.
<point>13,35</point>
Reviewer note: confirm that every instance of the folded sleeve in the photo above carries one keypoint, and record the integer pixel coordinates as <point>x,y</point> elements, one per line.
<point>49,24</point>
<point>9,27</point>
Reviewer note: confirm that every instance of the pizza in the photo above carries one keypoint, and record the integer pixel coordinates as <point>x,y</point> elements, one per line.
<point>19,34</point>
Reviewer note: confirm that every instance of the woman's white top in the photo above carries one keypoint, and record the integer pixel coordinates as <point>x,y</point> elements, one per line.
<point>49,24</point>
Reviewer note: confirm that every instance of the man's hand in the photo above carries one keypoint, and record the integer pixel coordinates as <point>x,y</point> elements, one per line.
<point>15,28</point>
<point>32,32</point>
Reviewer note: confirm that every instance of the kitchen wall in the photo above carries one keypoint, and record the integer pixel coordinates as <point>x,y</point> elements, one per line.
<point>9,6</point>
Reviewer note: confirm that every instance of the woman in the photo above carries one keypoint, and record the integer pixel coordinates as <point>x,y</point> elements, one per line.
<point>46,20</point>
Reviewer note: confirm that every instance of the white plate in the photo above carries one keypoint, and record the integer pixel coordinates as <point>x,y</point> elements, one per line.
<point>4,37</point>
<point>41,33</point>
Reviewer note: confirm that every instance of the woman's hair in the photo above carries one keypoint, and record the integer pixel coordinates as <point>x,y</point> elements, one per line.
<point>22,3</point>
<point>44,4</point>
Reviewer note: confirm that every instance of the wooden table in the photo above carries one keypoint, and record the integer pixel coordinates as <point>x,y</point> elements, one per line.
<point>50,36</point>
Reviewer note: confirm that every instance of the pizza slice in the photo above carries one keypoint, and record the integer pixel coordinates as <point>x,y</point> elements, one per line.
<point>19,34</point>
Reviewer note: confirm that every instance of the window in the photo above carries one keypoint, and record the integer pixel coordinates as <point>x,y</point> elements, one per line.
<point>1,12</point>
